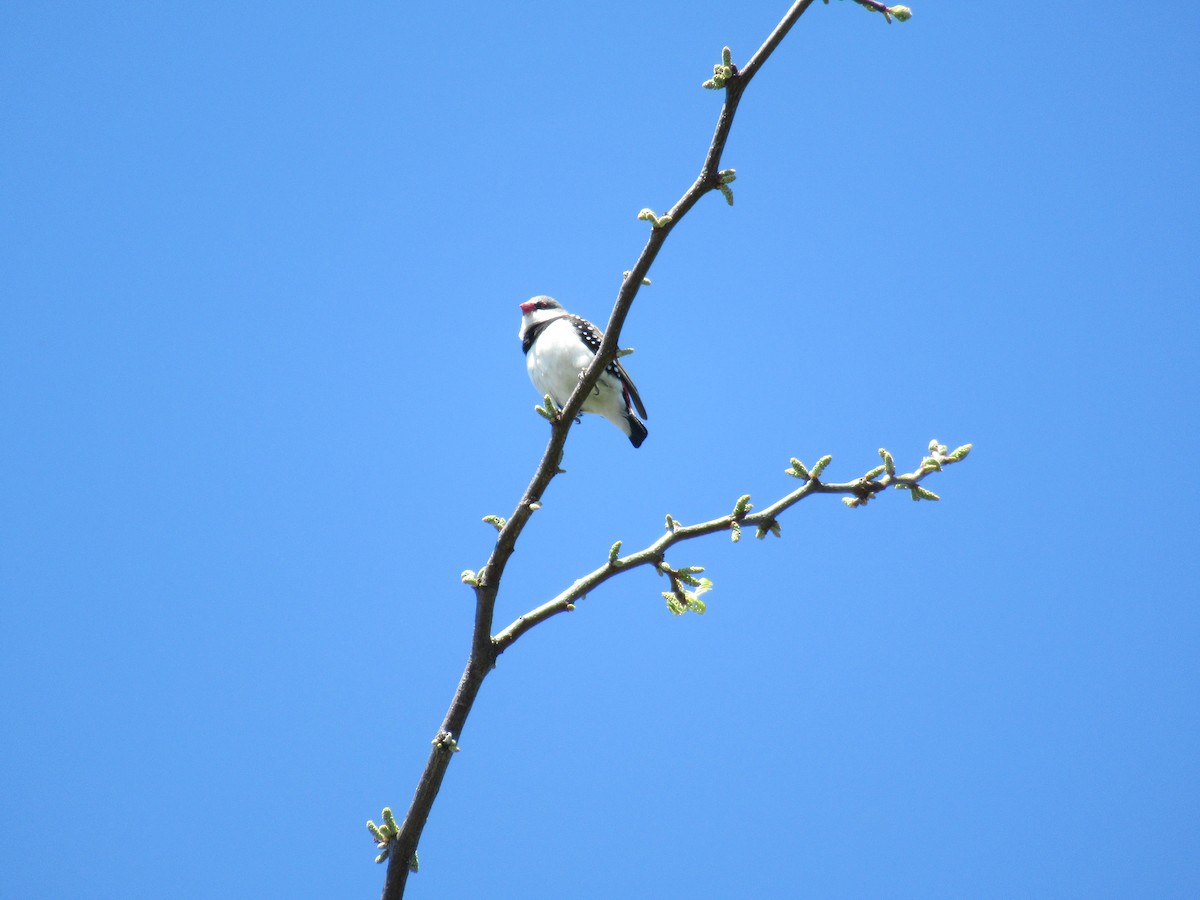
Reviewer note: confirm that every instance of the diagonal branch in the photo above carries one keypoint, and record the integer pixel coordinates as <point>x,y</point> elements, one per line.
<point>765,520</point>
<point>399,843</point>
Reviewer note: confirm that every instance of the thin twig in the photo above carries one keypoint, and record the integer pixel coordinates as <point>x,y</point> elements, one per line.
<point>653,554</point>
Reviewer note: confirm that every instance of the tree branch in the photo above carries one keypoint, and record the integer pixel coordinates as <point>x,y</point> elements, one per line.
<point>399,843</point>
<point>861,490</point>
<point>903,13</point>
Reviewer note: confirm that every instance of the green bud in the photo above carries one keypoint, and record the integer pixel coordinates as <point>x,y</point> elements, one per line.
<point>469,577</point>
<point>414,864</point>
<point>850,501</point>
<point>820,466</point>
<point>960,453</point>
<point>390,820</point>
<point>375,832</point>
<point>647,215</point>
<point>875,473</point>
<point>726,56</point>
<point>798,470</point>
<point>548,410</point>
<point>496,521</point>
<point>768,528</point>
<point>926,494</point>
<point>726,192</point>
<point>889,464</point>
<point>735,530</point>
<point>902,13</point>
<point>628,351</point>
<point>534,506</point>
<point>613,553</point>
<point>742,506</point>
<point>384,855</point>
<point>721,74</point>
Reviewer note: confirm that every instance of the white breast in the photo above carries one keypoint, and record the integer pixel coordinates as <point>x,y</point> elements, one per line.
<point>556,359</point>
<point>554,363</point>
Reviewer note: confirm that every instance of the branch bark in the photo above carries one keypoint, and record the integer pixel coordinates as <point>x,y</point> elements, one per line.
<point>862,488</point>
<point>401,847</point>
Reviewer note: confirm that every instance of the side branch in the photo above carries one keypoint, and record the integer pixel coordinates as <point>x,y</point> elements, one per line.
<point>765,520</point>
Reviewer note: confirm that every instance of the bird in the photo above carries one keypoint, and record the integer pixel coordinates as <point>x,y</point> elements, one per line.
<point>558,346</point>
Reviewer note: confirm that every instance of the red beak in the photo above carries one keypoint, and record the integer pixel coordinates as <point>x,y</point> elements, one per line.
<point>527,306</point>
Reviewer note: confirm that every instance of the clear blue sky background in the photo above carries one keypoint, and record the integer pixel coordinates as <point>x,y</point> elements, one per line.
<point>261,381</point>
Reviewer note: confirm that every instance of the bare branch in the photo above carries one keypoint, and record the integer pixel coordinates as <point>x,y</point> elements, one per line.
<point>860,490</point>
<point>400,845</point>
<point>902,13</point>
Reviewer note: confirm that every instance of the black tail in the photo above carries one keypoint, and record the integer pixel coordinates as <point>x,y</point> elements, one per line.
<point>637,431</point>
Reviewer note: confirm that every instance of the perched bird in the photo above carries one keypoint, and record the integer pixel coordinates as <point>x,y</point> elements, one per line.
<point>558,347</point>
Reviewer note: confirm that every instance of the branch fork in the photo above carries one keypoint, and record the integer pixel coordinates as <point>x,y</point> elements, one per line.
<point>399,842</point>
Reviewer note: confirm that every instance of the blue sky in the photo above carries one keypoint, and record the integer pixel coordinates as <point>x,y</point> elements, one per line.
<point>261,381</point>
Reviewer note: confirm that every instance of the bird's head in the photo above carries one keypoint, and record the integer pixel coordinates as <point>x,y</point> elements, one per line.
<point>540,303</point>
<point>538,311</point>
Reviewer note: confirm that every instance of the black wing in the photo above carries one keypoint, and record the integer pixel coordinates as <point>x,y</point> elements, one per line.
<point>592,336</point>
